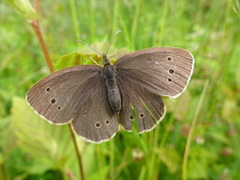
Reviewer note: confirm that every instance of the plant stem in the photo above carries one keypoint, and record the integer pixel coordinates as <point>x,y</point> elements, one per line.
<point>75,18</point>
<point>111,163</point>
<point>37,30</point>
<point>36,6</point>
<point>4,174</point>
<point>78,153</point>
<point>190,135</point>
<point>92,20</point>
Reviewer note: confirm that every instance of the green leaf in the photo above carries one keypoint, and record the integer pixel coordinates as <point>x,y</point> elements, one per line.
<point>6,137</point>
<point>83,56</point>
<point>47,143</point>
<point>50,144</point>
<point>76,58</point>
<point>25,8</point>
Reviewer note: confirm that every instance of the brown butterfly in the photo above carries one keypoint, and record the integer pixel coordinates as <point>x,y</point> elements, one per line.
<point>95,99</point>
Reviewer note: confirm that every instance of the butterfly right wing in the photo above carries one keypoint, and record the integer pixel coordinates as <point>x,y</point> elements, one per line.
<point>145,75</point>
<point>149,107</point>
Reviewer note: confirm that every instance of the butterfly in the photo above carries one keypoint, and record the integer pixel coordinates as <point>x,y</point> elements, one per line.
<point>96,100</point>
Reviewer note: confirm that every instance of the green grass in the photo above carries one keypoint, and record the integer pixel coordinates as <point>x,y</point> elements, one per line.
<point>31,148</point>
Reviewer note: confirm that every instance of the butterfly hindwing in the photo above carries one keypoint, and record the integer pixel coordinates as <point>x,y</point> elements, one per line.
<point>149,107</point>
<point>95,121</point>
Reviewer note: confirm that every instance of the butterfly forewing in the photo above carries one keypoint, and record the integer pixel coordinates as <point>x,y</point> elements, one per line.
<point>56,96</point>
<point>163,71</point>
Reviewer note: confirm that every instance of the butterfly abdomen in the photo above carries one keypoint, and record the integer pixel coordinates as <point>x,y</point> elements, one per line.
<point>113,92</point>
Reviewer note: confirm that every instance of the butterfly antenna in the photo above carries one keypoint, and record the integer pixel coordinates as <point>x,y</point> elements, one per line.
<point>112,40</point>
<point>94,61</point>
<point>90,47</point>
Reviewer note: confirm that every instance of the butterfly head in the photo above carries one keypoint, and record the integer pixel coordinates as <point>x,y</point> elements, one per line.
<point>106,61</point>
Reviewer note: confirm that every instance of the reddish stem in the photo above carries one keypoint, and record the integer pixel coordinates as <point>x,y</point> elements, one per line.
<point>37,6</point>
<point>37,30</point>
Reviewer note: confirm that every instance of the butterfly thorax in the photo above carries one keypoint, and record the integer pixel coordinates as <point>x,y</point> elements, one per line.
<point>114,97</point>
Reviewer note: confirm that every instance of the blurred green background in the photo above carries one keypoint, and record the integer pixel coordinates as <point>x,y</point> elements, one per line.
<point>199,137</point>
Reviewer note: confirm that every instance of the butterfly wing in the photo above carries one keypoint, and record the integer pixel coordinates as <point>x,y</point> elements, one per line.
<point>56,96</point>
<point>165,71</point>
<point>75,95</point>
<point>95,121</point>
<point>143,76</point>
<point>149,107</point>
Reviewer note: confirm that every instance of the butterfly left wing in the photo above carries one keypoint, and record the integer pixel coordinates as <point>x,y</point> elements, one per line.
<point>77,95</point>
<point>95,121</point>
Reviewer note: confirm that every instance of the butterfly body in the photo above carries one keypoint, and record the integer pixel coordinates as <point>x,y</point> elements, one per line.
<point>113,93</point>
<point>96,100</point>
